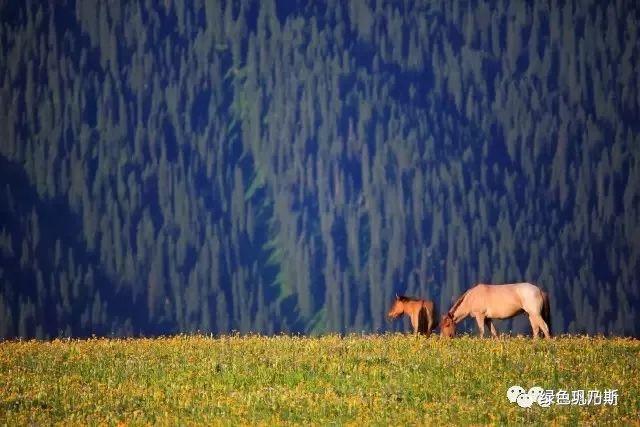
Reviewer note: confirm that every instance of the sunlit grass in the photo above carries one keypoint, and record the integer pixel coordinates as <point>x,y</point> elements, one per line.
<point>379,379</point>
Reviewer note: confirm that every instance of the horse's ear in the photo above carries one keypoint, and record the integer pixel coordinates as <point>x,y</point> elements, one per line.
<point>397,297</point>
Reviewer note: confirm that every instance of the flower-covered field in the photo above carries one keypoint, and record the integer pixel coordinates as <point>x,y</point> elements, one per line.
<point>371,379</point>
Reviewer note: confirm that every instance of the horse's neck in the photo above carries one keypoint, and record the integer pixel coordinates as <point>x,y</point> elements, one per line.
<point>412,309</point>
<point>459,314</point>
<point>459,310</point>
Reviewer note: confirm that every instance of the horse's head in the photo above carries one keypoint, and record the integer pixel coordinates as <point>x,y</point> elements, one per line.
<point>447,326</point>
<point>397,308</point>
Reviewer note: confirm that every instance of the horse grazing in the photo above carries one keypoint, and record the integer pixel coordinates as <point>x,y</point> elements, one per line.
<point>421,312</point>
<point>487,302</point>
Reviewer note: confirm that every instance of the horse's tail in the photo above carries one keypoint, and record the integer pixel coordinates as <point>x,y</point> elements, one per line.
<point>546,309</point>
<point>428,314</point>
<point>436,318</point>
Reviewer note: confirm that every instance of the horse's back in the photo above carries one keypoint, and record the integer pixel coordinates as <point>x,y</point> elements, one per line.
<point>521,288</point>
<point>528,290</point>
<point>530,295</point>
<point>506,300</point>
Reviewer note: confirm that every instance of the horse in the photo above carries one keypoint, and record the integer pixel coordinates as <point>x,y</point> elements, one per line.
<point>421,312</point>
<point>487,302</point>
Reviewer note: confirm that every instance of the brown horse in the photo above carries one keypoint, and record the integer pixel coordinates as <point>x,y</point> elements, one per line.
<point>487,302</point>
<point>421,312</point>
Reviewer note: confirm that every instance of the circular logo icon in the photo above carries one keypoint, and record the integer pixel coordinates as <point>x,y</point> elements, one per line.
<point>535,392</point>
<point>524,400</point>
<point>513,393</point>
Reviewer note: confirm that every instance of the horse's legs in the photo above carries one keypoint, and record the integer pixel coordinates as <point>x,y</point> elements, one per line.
<point>429,322</point>
<point>545,328</point>
<point>535,325</point>
<point>489,322</point>
<point>480,321</point>
<point>415,322</point>
<point>542,325</point>
<point>426,320</point>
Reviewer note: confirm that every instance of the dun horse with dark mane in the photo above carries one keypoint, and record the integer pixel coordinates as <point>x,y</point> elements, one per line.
<point>421,312</point>
<point>487,302</point>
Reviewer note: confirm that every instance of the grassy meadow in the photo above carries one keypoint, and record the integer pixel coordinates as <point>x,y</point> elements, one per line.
<point>370,379</point>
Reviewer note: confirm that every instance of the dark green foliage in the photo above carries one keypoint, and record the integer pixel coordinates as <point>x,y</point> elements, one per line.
<point>256,166</point>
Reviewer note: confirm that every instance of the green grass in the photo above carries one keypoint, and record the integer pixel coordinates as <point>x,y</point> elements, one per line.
<point>378,379</point>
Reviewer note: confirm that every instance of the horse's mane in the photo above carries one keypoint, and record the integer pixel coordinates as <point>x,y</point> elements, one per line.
<point>458,302</point>
<point>404,298</point>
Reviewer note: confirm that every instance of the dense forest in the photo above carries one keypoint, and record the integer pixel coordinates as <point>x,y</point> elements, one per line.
<point>279,166</point>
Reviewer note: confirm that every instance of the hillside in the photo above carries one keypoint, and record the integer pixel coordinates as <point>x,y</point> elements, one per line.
<point>283,167</point>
